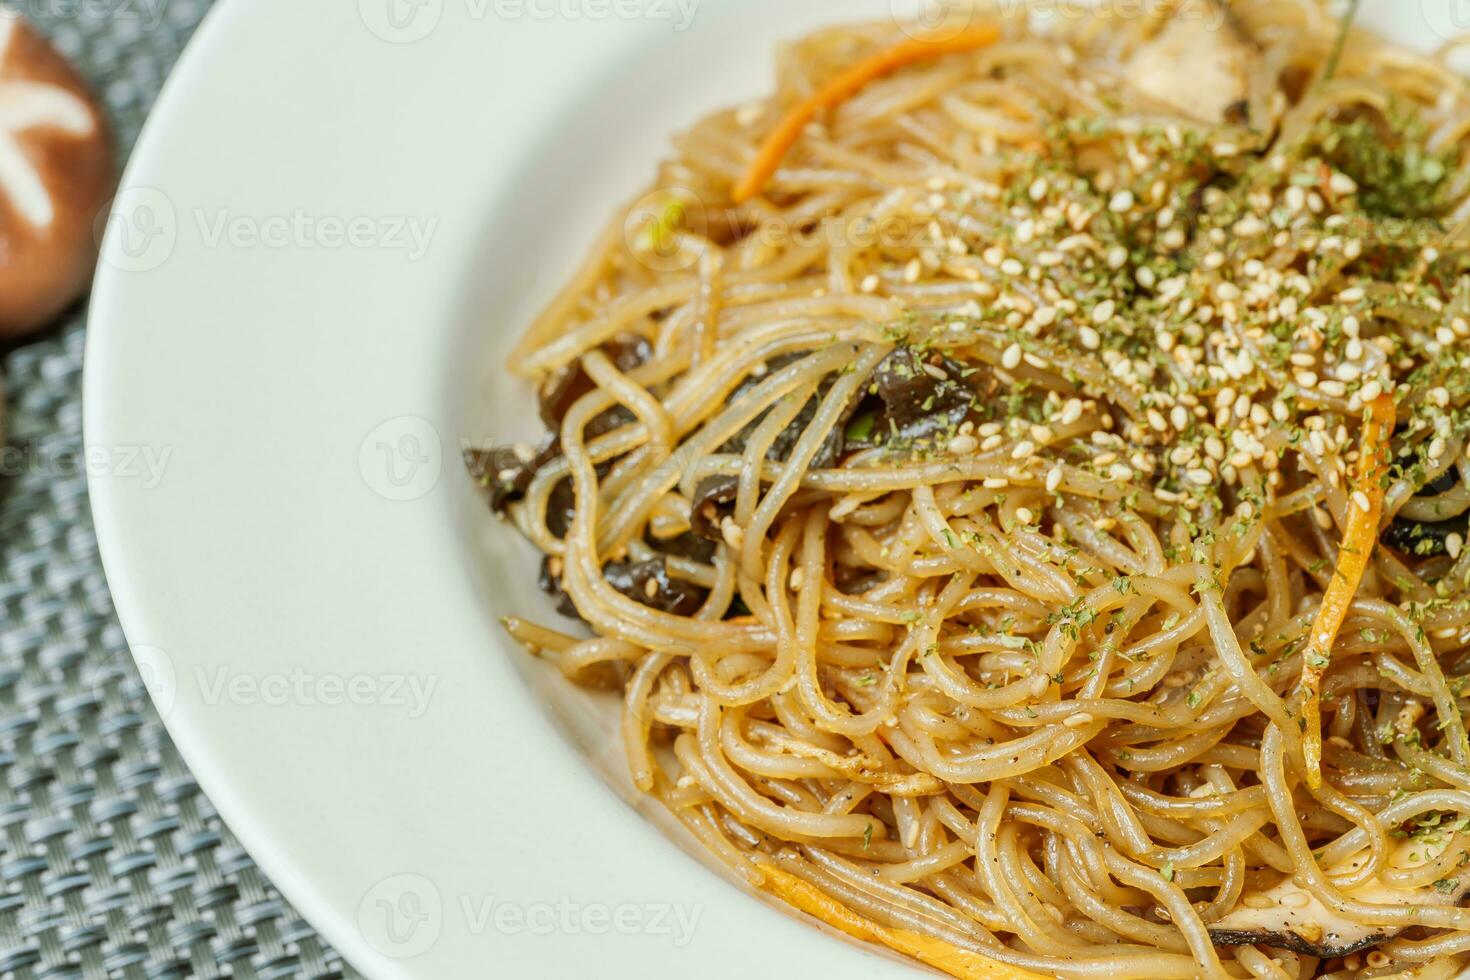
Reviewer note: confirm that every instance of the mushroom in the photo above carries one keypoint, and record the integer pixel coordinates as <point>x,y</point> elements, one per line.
<point>56,173</point>
<point>1197,65</point>
<point>1287,916</point>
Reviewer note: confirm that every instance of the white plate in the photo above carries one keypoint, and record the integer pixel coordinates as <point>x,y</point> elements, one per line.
<point>335,222</point>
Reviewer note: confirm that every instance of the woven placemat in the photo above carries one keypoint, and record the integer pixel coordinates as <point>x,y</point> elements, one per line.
<point>112,862</point>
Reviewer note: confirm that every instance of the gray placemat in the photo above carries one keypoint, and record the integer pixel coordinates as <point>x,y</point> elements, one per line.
<point>112,862</point>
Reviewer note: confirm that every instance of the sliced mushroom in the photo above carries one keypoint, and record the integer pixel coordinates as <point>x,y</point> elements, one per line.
<point>1198,63</point>
<point>1287,916</point>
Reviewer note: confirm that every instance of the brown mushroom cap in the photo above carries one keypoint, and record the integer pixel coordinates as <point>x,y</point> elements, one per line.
<point>54,140</point>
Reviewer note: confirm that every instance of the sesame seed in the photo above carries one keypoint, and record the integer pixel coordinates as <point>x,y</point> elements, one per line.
<point>1024,515</point>
<point>1454,544</point>
<point>1121,202</point>
<point>1360,498</point>
<point>1024,450</point>
<point>963,445</point>
<point>1011,359</point>
<point>1090,338</point>
<point>1104,311</point>
<point>1054,479</point>
<point>1079,720</point>
<point>733,533</point>
<point>870,283</point>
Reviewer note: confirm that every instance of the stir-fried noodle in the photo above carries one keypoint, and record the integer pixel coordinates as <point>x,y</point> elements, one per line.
<point>1029,529</point>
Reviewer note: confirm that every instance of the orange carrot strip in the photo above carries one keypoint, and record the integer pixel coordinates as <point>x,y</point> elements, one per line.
<point>961,963</point>
<point>842,88</point>
<point>1358,540</point>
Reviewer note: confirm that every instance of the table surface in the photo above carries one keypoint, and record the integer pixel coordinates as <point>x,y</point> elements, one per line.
<point>112,862</point>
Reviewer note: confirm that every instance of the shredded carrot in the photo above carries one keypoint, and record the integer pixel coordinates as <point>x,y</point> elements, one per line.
<point>845,86</point>
<point>961,963</point>
<point>1359,538</point>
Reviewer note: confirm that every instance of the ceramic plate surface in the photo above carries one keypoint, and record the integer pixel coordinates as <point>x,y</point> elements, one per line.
<point>339,217</point>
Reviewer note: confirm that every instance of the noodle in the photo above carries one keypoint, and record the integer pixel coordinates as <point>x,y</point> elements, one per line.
<point>947,457</point>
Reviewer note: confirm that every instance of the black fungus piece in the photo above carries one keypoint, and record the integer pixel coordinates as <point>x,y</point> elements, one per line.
<point>1425,539</point>
<point>853,581</point>
<point>562,389</point>
<point>561,507</point>
<point>914,398</point>
<point>503,475</point>
<point>551,585</point>
<point>714,500</point>
<point>609,421</point>
<point>1286,939</point>
<point>667,594</point>
<point>687,545</point>
<point>780,450</point>
<point>650,583</point>
<point>1443,483</point>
